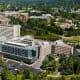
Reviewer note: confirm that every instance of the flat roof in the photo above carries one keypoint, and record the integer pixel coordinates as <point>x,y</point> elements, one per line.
<point>61,43</point>
<point>8,25</point>
<point>17,44</point>
<point>20,45</point>
<point>39,17</point>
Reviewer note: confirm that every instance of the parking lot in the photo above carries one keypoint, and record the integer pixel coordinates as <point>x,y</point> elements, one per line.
<point>14,65</point>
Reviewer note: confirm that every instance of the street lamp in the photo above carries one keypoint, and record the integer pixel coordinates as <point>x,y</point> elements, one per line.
<point>16,72</point>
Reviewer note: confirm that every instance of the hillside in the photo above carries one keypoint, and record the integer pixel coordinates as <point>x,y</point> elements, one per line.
<point>55,3</point>
<point>29,1</point>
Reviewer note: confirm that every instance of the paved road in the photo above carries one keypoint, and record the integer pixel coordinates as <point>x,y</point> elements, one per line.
<point>37,65</point>
<point>23,66</point>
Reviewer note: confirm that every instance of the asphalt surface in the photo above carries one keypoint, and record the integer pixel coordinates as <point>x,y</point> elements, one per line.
<point>12,66</point>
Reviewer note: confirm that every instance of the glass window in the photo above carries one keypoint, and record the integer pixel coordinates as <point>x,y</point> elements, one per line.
<point>33,53</point>
<point>26,53</point>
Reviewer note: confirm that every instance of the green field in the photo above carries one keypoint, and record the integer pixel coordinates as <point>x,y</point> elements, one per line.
<point>72,40</point>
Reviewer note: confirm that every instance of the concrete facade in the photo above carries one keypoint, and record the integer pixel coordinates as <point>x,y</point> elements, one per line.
<point>60,47</point>
<point>10,31</point>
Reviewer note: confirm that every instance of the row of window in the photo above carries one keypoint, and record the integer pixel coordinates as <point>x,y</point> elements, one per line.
<point>18,51</point>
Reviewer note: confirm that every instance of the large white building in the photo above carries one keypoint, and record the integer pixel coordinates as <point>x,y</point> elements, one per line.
<point>9,31</point>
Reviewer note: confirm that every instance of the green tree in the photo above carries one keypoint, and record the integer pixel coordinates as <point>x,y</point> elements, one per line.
<point>26,74</point>
<point>7,75</point>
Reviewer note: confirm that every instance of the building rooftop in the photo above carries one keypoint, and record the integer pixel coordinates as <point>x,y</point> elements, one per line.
<point>3,18</point>
<point>61,43</point>
<point>8,25</point>
<point>22,41</point>
<point>27,42</point>
<point>16,44</point>
<point>10,12</point>
<point>39,17</point>
<point>21,45</point>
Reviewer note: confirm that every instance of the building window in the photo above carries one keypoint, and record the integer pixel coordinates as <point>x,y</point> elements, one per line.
<point>33,53</point>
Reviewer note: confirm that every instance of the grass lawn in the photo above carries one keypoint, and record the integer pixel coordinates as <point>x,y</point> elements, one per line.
<point>68,77</point>
<point>72,40</point>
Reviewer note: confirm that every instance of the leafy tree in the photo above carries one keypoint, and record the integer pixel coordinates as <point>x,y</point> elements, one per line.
<point>49,63</point>
<point>26,74</point>
<point>7,75</point>
<point>62,57</point>
<point>70,65</point>
<point>73,78</point>
<point>42,75</point>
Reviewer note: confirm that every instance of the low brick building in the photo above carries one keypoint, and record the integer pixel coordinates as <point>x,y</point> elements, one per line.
<point>60,47</point>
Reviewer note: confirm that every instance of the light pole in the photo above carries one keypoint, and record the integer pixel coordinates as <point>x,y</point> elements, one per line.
<point>16,72</point>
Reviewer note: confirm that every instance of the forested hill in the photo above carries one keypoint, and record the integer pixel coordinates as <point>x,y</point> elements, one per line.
<point>55,3</point>
<point>43,1</point>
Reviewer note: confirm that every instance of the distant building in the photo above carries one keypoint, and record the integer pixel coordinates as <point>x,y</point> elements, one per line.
<point>66,25</point>
<point>4,20</point>
<point>38,17</point>
<point>34,11</point>
<point>16,14</point>
<point>10,31</point>
<point>76,11</point>
<point>42,18</point>
<point>60,47</point>
<point>48,15</point>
